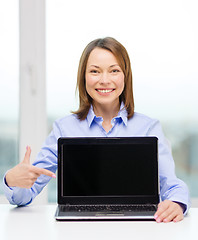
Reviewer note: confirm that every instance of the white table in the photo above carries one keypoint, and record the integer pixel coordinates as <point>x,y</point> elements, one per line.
<point>37,222</point>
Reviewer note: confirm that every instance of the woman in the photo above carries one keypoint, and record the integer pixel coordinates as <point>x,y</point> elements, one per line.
<point>106,109</point>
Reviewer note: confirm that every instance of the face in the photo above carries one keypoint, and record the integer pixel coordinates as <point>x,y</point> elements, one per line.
<point>104,78</point>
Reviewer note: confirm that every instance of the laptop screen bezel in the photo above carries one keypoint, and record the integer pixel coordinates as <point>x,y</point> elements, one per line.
<point>75,200</point>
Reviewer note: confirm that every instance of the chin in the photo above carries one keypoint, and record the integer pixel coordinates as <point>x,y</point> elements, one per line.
<point>107,102</point>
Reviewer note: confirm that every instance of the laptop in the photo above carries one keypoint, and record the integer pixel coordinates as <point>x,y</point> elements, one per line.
<point>107,178</point>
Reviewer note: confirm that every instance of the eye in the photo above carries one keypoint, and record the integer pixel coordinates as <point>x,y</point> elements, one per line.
<point>94,71</point>
<point>115,70</point>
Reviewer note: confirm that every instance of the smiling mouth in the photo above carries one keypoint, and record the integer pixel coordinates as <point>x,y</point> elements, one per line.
<point>105,90</point>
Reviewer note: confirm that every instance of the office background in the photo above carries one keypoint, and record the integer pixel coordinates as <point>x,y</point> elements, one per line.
<point>40,46</point>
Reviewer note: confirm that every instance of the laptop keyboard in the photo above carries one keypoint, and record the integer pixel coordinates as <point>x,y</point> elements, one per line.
<point>117,208</point>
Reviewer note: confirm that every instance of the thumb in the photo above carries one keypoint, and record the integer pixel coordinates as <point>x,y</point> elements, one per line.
<point>27,155</point>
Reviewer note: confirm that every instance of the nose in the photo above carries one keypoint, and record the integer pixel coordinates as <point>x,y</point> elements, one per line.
<point>104,79</point>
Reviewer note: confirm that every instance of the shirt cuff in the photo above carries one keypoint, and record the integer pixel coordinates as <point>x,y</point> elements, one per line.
<point>8,191</point>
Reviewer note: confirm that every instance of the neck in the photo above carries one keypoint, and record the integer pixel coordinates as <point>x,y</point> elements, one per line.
<point>107,112</point>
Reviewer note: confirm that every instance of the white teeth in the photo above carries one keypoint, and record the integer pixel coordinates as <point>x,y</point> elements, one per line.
<point>104,91</point>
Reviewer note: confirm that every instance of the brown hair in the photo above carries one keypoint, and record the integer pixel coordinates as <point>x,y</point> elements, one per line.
<point>122,57</point>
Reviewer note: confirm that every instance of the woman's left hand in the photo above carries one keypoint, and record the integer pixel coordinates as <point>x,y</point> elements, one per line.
<point>169,211</point>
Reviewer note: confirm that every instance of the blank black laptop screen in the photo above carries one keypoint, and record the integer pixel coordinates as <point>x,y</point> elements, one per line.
<point>108,170</point>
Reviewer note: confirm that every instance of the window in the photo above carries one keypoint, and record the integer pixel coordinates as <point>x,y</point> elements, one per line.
<point>32,97</point>
<point>161,39</point>
<point>9,85</point>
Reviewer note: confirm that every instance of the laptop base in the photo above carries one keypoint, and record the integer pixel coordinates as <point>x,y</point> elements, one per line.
<point>103,215</point>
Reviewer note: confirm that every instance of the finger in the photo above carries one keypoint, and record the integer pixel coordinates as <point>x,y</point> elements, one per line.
<point>164,209</point>
<point>44,172</point>
<point>27,155</point>
<point>178,218</point>
<point>161,208</point>
<point>30,183</point>
<point>169,217</point>
<point>165,216</point>
<point>170,213</point>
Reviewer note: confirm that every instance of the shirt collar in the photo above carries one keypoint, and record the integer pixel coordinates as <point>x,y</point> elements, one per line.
<point>122,114</point>
<point>90,116</point>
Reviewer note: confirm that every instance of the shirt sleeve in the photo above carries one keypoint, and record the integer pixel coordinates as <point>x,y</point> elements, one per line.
<point>171,187</point>
<point>47,158</point>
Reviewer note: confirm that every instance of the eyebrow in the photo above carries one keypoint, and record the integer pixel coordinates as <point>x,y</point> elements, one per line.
<point>94,66</point>
<point>115,65</point>
<point>110,66</point>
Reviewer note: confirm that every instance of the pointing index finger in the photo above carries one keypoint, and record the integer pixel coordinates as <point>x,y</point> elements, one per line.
<point>44,172</point>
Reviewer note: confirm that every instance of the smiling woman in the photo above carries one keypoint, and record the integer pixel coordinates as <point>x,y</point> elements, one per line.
<point>108,116</point>
<point>105,85</point>
<point>163,52</point>
<point>104,77</point>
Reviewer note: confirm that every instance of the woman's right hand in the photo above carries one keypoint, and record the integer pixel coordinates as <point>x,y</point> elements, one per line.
<point>24,174</point>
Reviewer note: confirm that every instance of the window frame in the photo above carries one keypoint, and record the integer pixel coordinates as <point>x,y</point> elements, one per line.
<point>33,116</point>
<point>32,82</point>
